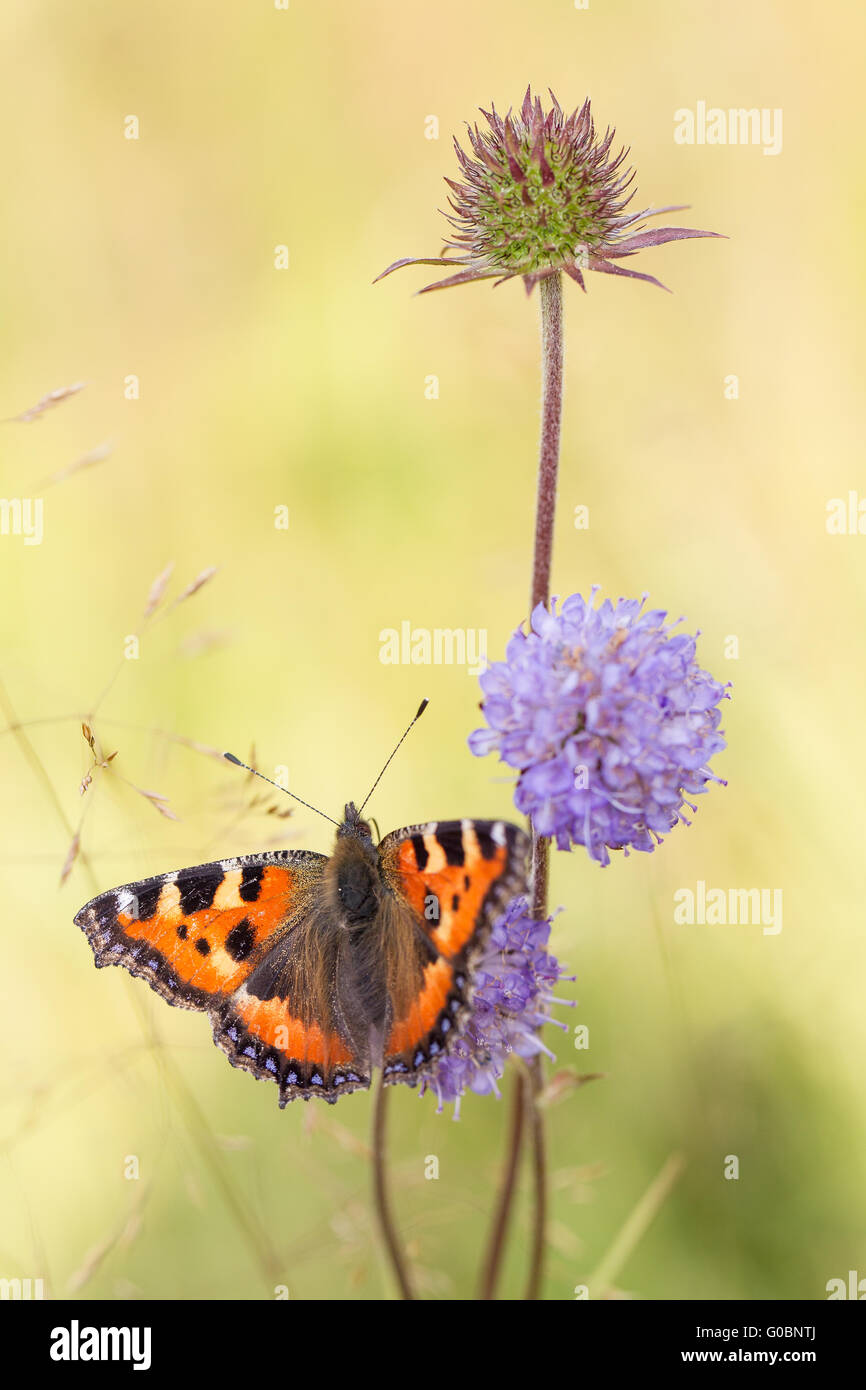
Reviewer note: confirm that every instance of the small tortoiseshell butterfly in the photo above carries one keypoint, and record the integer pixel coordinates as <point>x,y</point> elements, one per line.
<point>314,970</point>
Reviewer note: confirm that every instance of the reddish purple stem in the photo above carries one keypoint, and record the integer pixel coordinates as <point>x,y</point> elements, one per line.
<point>526,1096</point>
<point>551,417</point>
<point>552,355</point>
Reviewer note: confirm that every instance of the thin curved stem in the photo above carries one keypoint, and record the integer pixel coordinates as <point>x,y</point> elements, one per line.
<point>499,1227</point>
<point>382,1203</point>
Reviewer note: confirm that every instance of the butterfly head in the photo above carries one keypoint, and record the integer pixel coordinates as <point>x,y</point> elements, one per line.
<point>354,870</point>
<point>354,824</point>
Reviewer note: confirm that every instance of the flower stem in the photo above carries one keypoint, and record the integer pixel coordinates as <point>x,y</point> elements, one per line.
<point>528,1088</point>
<point>538,874</point>
<point>552,355</point>
<point>499,1228</point>
<point>539,1171</point>
<point>381,1199</point>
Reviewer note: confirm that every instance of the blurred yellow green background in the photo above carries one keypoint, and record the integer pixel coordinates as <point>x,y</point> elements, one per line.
<point>305,388</point>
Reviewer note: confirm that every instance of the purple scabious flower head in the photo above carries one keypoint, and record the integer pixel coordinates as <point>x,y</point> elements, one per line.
<point>608,719</point>
<point>511,1000</point>
<point>542,192</point>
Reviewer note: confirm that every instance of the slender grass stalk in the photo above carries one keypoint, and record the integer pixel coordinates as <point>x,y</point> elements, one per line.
<point>381,1199</point>
<point>194,1119</point>
<point>607,1271</point>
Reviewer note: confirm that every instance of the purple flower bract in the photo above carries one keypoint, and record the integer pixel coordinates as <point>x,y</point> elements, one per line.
<point>608,719</point>
<point>543,192</point>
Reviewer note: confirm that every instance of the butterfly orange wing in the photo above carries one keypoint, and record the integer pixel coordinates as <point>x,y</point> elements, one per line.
<point>455,878</point>
<point>201,935</point>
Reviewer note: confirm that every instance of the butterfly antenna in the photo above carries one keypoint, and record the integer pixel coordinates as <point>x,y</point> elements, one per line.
<point>230,757</point>
<point>421,708</point>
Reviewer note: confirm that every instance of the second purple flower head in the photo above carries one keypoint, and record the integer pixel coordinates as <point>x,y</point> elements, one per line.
<point>608,720</point>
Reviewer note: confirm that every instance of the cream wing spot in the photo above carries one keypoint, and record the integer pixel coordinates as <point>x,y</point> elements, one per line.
<point>471,847</point>
<point>221,962</point>
<point>436,860</point>
<point>228,893</point>
<point>169,899</point>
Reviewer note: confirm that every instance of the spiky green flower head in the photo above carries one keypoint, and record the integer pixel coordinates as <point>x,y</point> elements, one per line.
<point>541,193</point>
